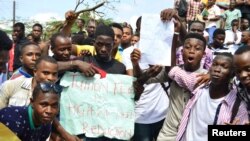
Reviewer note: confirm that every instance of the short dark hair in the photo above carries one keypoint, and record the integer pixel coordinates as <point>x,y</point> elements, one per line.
<point>116,25</point>
<point>26,44</point>
<point>242,50</point>
<point>92,20</point>
<point>196,36</point>
<point>227,54</point>
<point>78,39</point>
<point>28,35</point>
<point>54,37</point>
<point>126,25</point>
<point>82,20</point>
<point>104,30</point>
<point>192,22</point>
<point>21,25</point>
<point>39,25</point>
<point>46,59</point>
<point>234,20</point>
<point>5,41</point>
<point>219,31</point>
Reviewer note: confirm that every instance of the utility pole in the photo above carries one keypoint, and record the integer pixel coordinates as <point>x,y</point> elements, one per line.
<point>14,12</point>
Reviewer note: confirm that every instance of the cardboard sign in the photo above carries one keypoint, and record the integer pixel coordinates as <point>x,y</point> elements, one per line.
<point>98,107</point>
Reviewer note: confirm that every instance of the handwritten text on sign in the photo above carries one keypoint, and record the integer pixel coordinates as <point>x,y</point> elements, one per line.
<point>98,107</point>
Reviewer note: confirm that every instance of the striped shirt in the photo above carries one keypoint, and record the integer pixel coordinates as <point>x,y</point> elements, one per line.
<point>16,92</point>
<point>188,81</point>
<point>194,8</point>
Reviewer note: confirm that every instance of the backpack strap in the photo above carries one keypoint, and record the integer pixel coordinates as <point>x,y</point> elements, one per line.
<point>165,88</point>
<point>235,108</point>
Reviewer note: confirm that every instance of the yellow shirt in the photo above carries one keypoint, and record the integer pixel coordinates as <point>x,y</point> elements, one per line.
<point>118,56</point>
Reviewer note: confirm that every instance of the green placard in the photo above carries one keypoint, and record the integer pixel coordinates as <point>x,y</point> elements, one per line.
<point>98,107</point>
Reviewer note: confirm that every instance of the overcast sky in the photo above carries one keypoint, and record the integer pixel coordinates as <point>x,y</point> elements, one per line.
<point>42,10</point>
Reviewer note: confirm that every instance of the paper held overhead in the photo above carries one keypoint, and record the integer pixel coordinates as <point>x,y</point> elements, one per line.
<point>156,40</point>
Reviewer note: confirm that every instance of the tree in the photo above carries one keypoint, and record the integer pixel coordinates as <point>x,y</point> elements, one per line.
<point>86,13</point>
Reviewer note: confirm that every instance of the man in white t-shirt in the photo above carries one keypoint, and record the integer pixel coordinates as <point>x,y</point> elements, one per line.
<point>233,36</point>
<point>217,99</point>
<point>211,15</point>
<point>151,108</point>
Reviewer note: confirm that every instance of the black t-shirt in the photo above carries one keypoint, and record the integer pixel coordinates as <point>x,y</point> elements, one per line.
<point>17,53</point>
<point>113,66</point>
<point>244,9</point>
<point>5,42</point>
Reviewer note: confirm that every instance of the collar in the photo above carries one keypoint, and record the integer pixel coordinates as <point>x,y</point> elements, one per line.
<point>27,83</point>
<point>120,49</point>
<point>230,97</point>
<point>216,49</point>
<point>24,73</point>
<point>30,111</point>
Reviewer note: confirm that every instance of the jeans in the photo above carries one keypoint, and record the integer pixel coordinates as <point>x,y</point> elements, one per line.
<point>147,132</point>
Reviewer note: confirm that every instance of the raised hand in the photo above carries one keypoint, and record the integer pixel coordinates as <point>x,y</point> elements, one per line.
<point>70,16</point>
<point>135,56</point>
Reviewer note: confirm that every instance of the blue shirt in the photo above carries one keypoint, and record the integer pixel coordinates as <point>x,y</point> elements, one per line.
<point>19,121</point>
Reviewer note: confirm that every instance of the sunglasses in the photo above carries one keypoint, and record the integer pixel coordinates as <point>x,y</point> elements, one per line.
<point>46,87</point>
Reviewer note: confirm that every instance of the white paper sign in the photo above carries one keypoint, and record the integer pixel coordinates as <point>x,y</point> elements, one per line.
<point>156,40</point>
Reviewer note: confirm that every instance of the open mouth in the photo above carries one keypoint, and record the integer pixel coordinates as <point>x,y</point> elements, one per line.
<point>190,59</point>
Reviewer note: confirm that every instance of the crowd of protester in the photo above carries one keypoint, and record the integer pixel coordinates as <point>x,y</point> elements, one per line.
<point>210,71</point>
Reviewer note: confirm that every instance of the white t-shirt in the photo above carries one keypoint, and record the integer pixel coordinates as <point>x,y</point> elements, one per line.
<point>231,50</point>
<point>126,57</point>
<point>213,11</point>
<point>202,115</point>
<point>230,37</point>
<point>153,103</point>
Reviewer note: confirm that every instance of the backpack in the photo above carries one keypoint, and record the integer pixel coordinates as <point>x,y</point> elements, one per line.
<point>182,10</point>
<point>235,108</point>
<point>165,88</point>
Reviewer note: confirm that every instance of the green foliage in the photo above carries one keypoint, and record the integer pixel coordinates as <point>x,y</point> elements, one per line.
<point>105,21</point>
<point>86,17</point>
<point>51,27</point>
